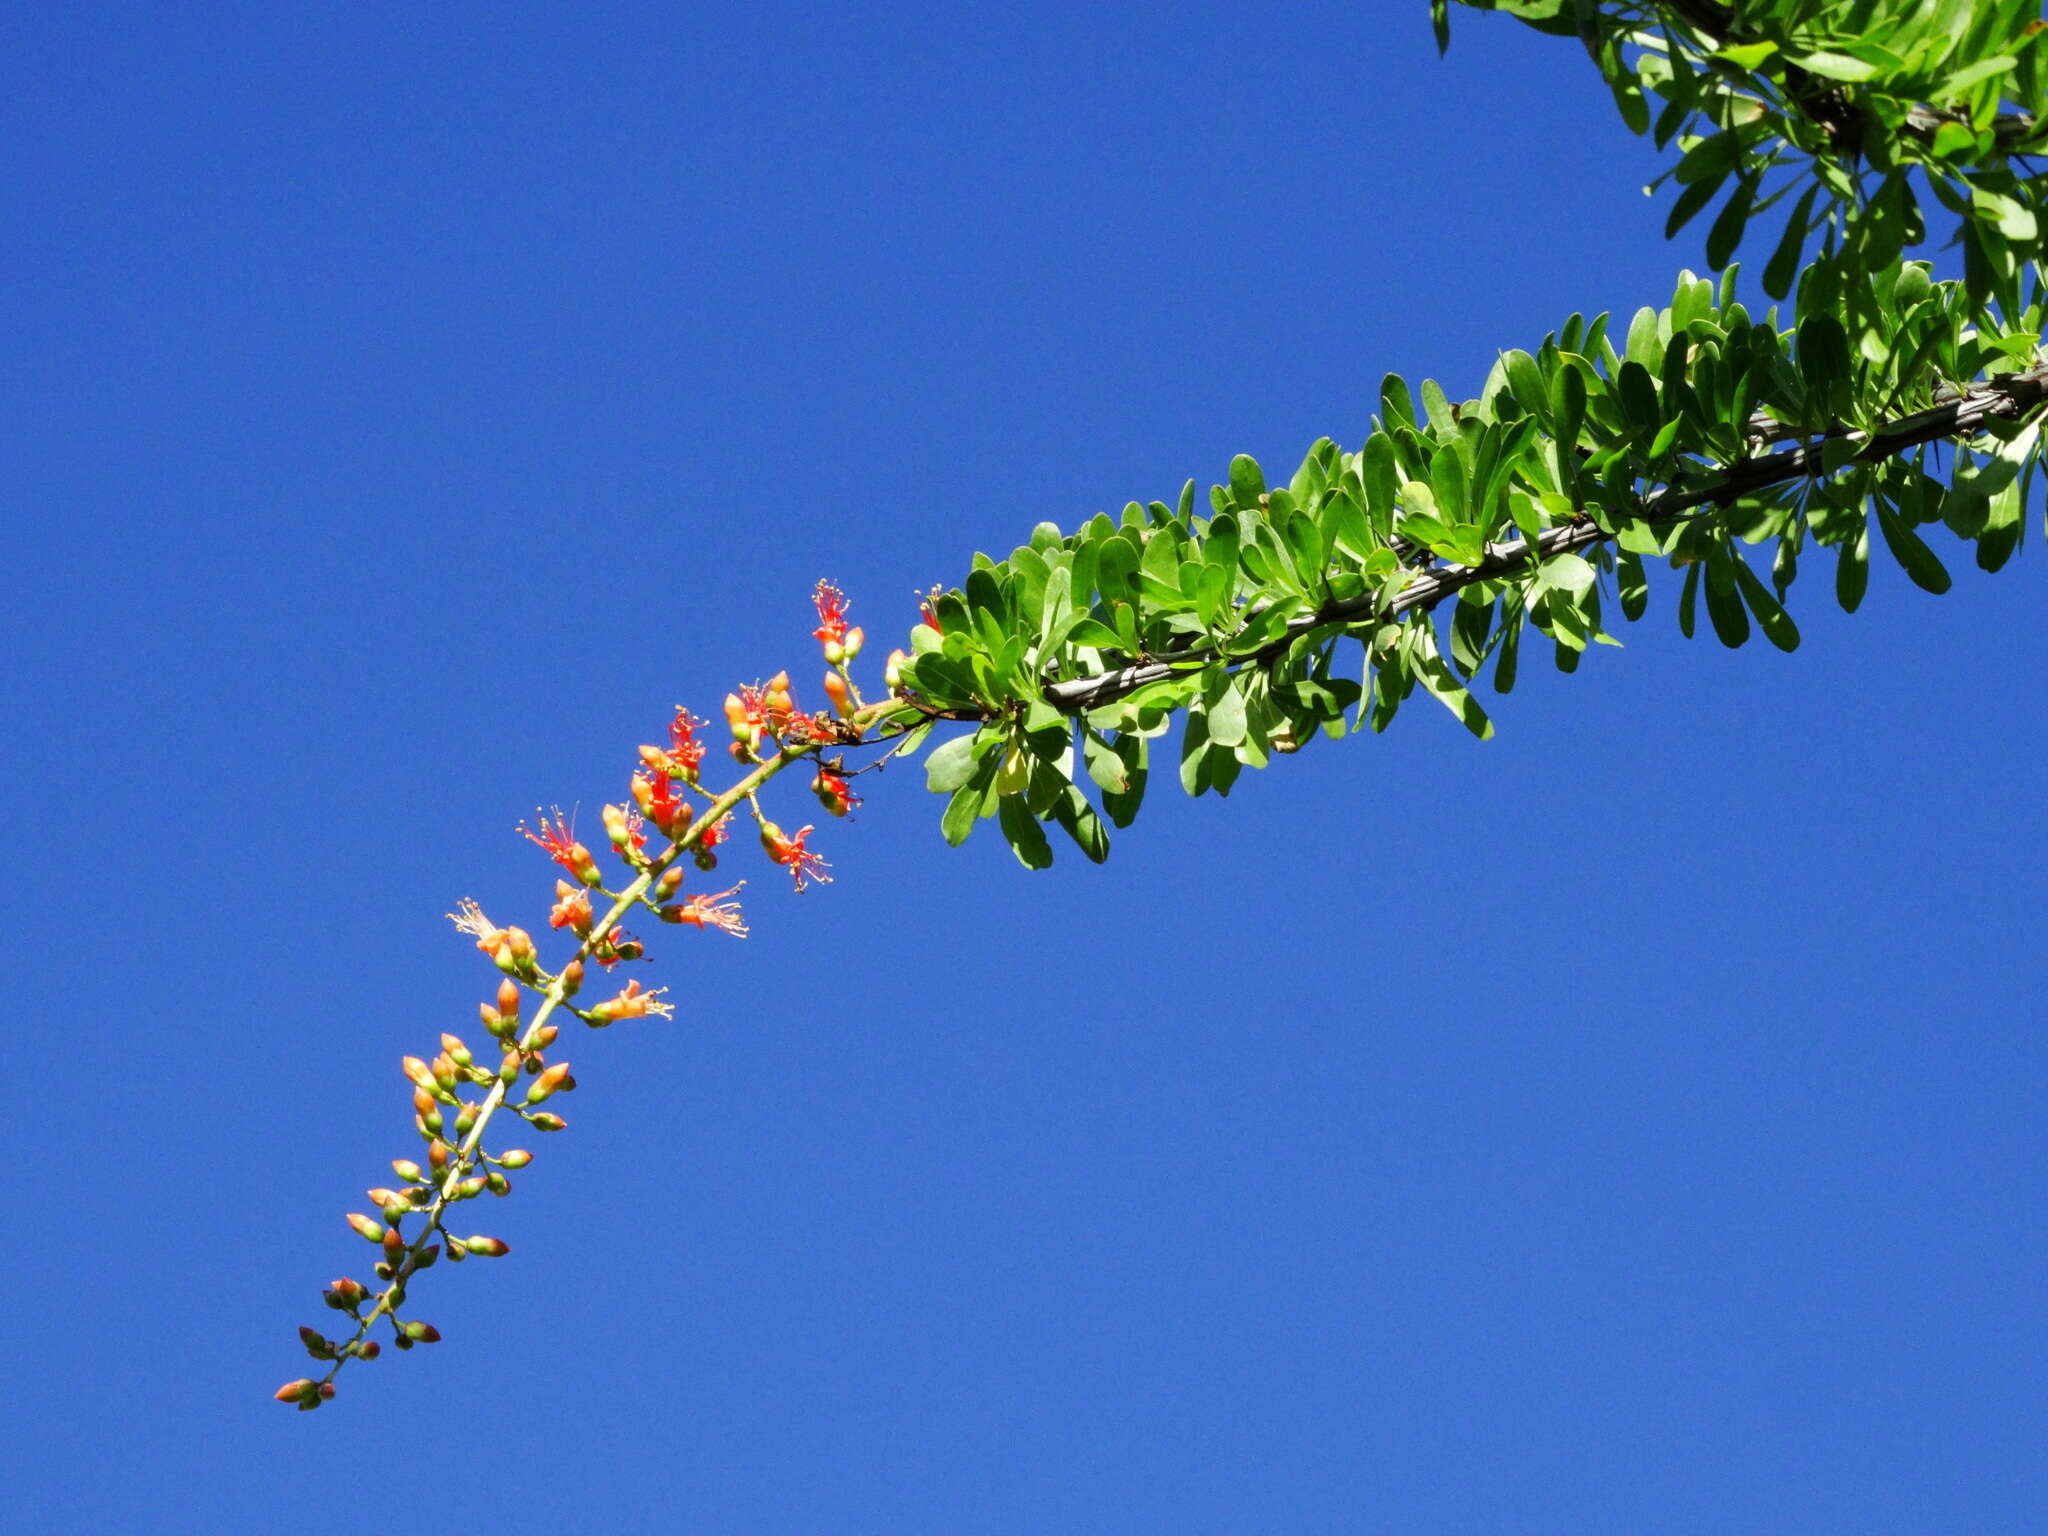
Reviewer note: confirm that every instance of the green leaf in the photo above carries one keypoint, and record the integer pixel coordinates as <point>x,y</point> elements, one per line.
<point>1691,201</point>
<point>1444,687</point>
<point>1247,482</point>
<point>1025,836</point>
<point>1918,560</point>
<point>1122,805</point>
<point>1771,616</point>
<point>1688,595</point>
<point>1634,584</point>
<point>1724,608</point>
<point>1783,266</point>
<point>1224,698</point>
<point>1852,570</point>
<point>952,763</point>
<point>1525,378</point>
<point>1505,666</point>
<point>1070,808</point>
<point>1837,66</point>
<point>1713,157</point>
<point>1726,233</point>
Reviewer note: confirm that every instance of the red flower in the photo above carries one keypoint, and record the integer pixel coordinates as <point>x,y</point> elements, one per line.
<point>929,607</point>
<point>789,852</point>
<point>656,795</point>
<point>833,792</point>
<point>831,604</point>
<point>684,748</point>
<point>558,837</point>
<point>711,911</point>
<point>571,909</point>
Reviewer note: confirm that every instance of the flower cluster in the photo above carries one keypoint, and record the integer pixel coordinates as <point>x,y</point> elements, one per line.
<point>669,819</point>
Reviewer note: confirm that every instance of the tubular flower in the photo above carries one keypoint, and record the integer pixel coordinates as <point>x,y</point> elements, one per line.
<point>831,605</point>
<point>558,837</point>
<point>634,1004</point>
<point>623,827</point>
<point>469,918</point>
<point>656,796</point>
<point>929,607</point>
<point>684,749</point>
<point>571,909</point>
<point>711,911</point>
<point>833,792</point>
<point>790,853</point>
<point>616,946</point>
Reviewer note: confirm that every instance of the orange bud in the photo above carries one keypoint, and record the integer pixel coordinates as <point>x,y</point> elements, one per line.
<point>304,1390</point>
<point>545,1036</point>
<point>456,1051</point>
<point>394,1245</point>
<point>545,1085</point>
<point>438,1153</point>
<point>670,882</point>
<point>488,1247</point>
<point>572,978</point>
<point>543,1121</point>
<point>421,1333</point>
<point>508,998</point>
<point>371,1230</point>
<point>407,1169</point>
<point>840,695</point>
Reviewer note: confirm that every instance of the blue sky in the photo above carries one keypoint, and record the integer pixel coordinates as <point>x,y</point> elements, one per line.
<point>1631,1123</point>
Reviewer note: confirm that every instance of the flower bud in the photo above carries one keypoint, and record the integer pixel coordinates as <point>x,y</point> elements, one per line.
<point>508,998</point>
<point>344,1294</point>
<point>302,1391</point>
<point>547,1083</point>
<point>465,1122</point>
<point>487,1247</point>
<point>835,654</point>
<point>516,1159</point>
<point>390,1202</point>
<point>426,1260</point>
<point>367,1349</point>
<point>508,1069</point>
<point>318,1346</point>
<point>470,1188</point>
<point>543,1121</point>
<point>367,1228</point>
<point>572,978</point>
<point>419,1072</point>
<point>497,1184</point>
<point>456,1051</point>
<point>394,1245</point>
<point>545,1036</point>
<point>438,1154</point>
<point>840,695</point>
<point>856,638</point>
<point>670,882</point>
<point>421,1333</point>
<point>892,670</point>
